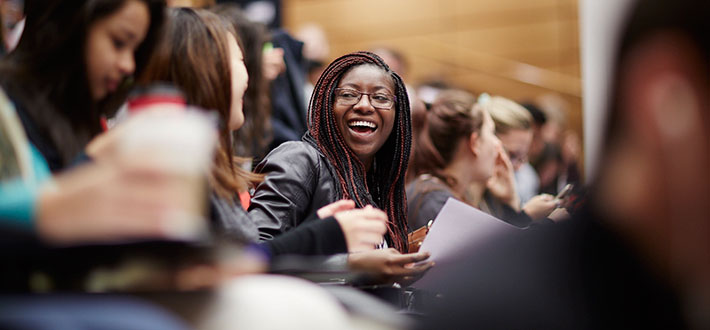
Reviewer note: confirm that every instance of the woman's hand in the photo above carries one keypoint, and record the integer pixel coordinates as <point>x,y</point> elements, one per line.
<point>390,265</point>
<point>363,228</point>
<point>104,147</point>
<point>102,202</point>
<point>335,207</point>
<point>540,206</point>
<point>502,184</point>
<point>273,63</point>
<point>559,214</point>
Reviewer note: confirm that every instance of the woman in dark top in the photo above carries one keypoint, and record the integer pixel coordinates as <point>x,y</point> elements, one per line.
<point>458,155</point>
<point>72,66</point>
<point>357,147</point>
<point>456,146</point>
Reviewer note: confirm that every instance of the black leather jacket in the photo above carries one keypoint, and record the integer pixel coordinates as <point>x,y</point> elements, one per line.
<point>298,182</point>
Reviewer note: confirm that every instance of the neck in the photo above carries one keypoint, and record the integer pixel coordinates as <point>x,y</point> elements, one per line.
<point>475,193</point>
<point>460,169</point>
<point>367,163</point>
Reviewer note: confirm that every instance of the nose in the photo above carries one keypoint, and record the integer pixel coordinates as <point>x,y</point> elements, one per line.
<point>126,63</point>
<point>364,104</point>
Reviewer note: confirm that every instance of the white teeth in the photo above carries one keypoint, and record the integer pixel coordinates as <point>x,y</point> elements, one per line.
<point>363,123</point>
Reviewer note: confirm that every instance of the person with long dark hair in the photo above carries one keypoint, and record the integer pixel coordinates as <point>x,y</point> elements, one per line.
<point>357,147</point>
<point>75,63</point>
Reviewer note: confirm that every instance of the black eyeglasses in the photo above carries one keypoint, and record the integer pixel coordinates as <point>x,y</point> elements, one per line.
<point>347,97</point>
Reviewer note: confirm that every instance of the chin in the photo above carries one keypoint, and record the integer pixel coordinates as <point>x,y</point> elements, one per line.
<point>97,96</point>
<point>236,126</point>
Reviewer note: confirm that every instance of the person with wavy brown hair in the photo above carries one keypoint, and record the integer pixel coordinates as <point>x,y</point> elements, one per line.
<point>456,147</point>
<point>193,55</point>
<point>252,139</point>
<point>458,155</point>
<point>201,54</point>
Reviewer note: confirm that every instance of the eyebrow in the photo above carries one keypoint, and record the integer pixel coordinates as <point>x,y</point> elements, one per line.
<point>356,86</point>
<point>126,32</point>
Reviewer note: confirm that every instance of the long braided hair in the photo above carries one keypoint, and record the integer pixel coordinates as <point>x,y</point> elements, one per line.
<point>385,186</point>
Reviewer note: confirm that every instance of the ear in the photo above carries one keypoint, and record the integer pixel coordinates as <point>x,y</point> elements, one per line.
<point>663,106</point>
<point>662,100</point>
<point>473,143</point>
<point>669,93</point>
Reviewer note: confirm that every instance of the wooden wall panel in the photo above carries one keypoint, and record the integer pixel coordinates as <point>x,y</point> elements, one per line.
<point>516,48</point>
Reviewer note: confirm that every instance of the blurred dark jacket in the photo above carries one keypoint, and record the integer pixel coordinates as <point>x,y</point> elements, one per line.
<point>578,274</point>
<point>288,113</point>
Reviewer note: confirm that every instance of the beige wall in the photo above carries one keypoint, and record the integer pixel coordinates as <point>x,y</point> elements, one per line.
<point>515,48</point>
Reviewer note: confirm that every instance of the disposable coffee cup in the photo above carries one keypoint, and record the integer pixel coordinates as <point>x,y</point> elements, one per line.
<point>181,145</point>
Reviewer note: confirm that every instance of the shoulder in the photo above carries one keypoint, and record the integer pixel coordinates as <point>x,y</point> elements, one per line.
<point>293,153</point>
<point>294,164</point>
<point>229,218</point>
<point>430,186</point>
<point>425,198</point>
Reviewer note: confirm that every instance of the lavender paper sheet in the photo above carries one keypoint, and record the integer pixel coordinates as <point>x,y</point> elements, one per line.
<point>457,228</point>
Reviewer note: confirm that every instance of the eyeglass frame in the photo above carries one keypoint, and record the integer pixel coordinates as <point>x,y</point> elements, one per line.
<point>517,159</point>
<point>369,98</point>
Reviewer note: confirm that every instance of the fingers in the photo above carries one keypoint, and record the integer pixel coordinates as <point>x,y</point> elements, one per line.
<point>370,213</point>
<point>363,228</point>
<point>367,213</point>
<point>545,198</point>
<point>376,226</point>
<point>559,214</point>
<point>335,207</point>
<point>365,242</point>
<point>409,258</point>
<point>413,269</point>
<point>505,159</point>
<point>540,206</point>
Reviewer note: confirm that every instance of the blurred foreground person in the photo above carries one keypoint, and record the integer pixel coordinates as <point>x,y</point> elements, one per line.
<point>60,85</point>
<point>638,256</point>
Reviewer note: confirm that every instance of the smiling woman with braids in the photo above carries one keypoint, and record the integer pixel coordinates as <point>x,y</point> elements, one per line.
<point>357,147</point>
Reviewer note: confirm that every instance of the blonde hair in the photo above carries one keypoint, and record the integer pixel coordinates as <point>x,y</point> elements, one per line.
<point>191,3</point>
<point>507,114</point>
